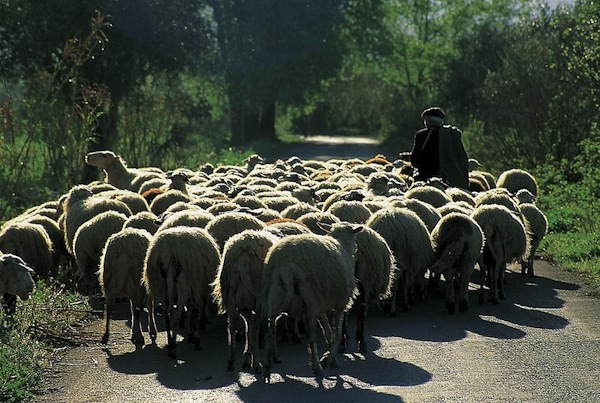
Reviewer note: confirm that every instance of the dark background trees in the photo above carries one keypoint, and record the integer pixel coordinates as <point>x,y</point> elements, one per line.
<point>175,83</point>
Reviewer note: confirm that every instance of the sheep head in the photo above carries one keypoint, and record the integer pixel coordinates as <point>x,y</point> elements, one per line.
<point>100,159</point>
<point>16,276</point>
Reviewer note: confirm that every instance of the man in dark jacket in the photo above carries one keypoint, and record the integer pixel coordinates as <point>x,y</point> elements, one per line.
<point>438,151</point>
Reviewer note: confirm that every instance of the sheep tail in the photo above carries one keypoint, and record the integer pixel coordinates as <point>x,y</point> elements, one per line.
<point>447,258</point>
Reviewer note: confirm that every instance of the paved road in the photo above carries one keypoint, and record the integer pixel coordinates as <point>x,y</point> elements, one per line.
<point>542,344</point>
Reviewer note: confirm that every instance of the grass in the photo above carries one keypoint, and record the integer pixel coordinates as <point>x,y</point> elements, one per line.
<point>50,319</point>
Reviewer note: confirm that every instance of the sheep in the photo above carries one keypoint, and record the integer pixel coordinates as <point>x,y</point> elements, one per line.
<point>524,196</point>
<point>120,276</point>
<point>285,226</point>
<point>134,201</point>
<point>505,240</point>
<point>425,211</point>
<point>237,288</point>
<point>31,243</point>
<point>375,270</point>
<point>297,210</point>
<point>314,221</point>
<point>144,220</point>
<point>409,241</point>
<point>516,179</point>
<point>497,196</point>
<point>458,194</point>
<point>80,205</point>
<point>162,201</point>
<point>88,244</point>
<point>179,267</point>
<point>314,275</point>
<point>537,224</point>
<point>226,225</point>
<point>350,211</point>
<point>457,242</point>
<point>117,172</point>
<point>190,218</point>
<point>429,194</point>
<point>57,240</point>
<point>16,278</point>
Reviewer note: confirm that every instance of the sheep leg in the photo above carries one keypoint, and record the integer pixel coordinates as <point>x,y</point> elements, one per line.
<point>247,354</point>
<point>231,319</point>
<point>361,319</point>
<point>270,347</point>
<point>171,318</point>
<point>501,281</point>
<point>136,327</point>
<point>530,260</point>
<point>494,274</point>
<point>329,359</point>
<point>253,331</point>
<point>151,320</point>
<point>450,297</point>
<point>311,324</point>
<point>195,325</point>
<point>345,338</point>
<point>10,303</point>
<point>107,314</point>
<point>463,292</point>
<point>405,286</point>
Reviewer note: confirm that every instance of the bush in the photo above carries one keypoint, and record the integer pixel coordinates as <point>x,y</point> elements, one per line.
<point>48,320</point>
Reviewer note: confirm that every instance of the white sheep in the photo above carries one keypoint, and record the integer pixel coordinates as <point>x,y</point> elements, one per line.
<point>79,206</point>
<point>350,211</point>
<point>457,241</point>
<point>506,239</point>
<point>226,225</point>
<point>516,179</point>
<point>15,278</point>
<point>237,289</point>
<point>429,194</point>
<point>537,225</point>
<point>312,275</point>
<point>120,276</point>
<point>179,267</point>
<point>375,270</point>
<point>88,244</point>
<point>189,218</point>
<point>31,243</point>
<point>144,220</point>
<point>164,200</point>
<point>117,172</point>
<point>409,240</point>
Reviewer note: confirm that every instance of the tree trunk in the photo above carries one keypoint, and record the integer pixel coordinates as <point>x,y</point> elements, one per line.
<point>267,121</point>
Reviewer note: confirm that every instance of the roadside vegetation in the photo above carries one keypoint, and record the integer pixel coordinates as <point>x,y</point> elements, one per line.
<point>520,79</point>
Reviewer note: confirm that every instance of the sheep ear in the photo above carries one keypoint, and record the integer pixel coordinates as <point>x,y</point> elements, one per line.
<point>324,226</point>
<point>357,228</point>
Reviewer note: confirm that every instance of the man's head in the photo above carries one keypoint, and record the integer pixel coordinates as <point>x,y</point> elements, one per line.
<point>433,116</point>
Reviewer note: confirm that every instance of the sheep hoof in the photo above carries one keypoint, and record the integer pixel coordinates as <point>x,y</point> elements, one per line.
<point>104,338</point>
<point>172,352</point>
<point>137,340</point>
<point>362,346</point>
<point>230,366</point>
<point>318,370</point>
<point>277,360</point>
<point>267,375</point>
<point>463,305</point>
<point>258,368</point>
<point>451,307</point>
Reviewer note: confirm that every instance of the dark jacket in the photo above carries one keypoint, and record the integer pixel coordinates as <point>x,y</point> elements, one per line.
<point>439,152</point>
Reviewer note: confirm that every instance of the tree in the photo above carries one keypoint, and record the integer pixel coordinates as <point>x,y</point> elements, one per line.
<point>276,52</point>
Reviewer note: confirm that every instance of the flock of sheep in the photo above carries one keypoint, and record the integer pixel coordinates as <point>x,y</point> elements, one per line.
<point>301,240</point>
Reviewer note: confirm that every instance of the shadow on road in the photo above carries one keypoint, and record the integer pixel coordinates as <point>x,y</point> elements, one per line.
<point>359,377</point>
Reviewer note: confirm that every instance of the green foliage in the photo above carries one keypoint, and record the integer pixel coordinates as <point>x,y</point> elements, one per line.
<point>569,197</point>
<point>43,322</point>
